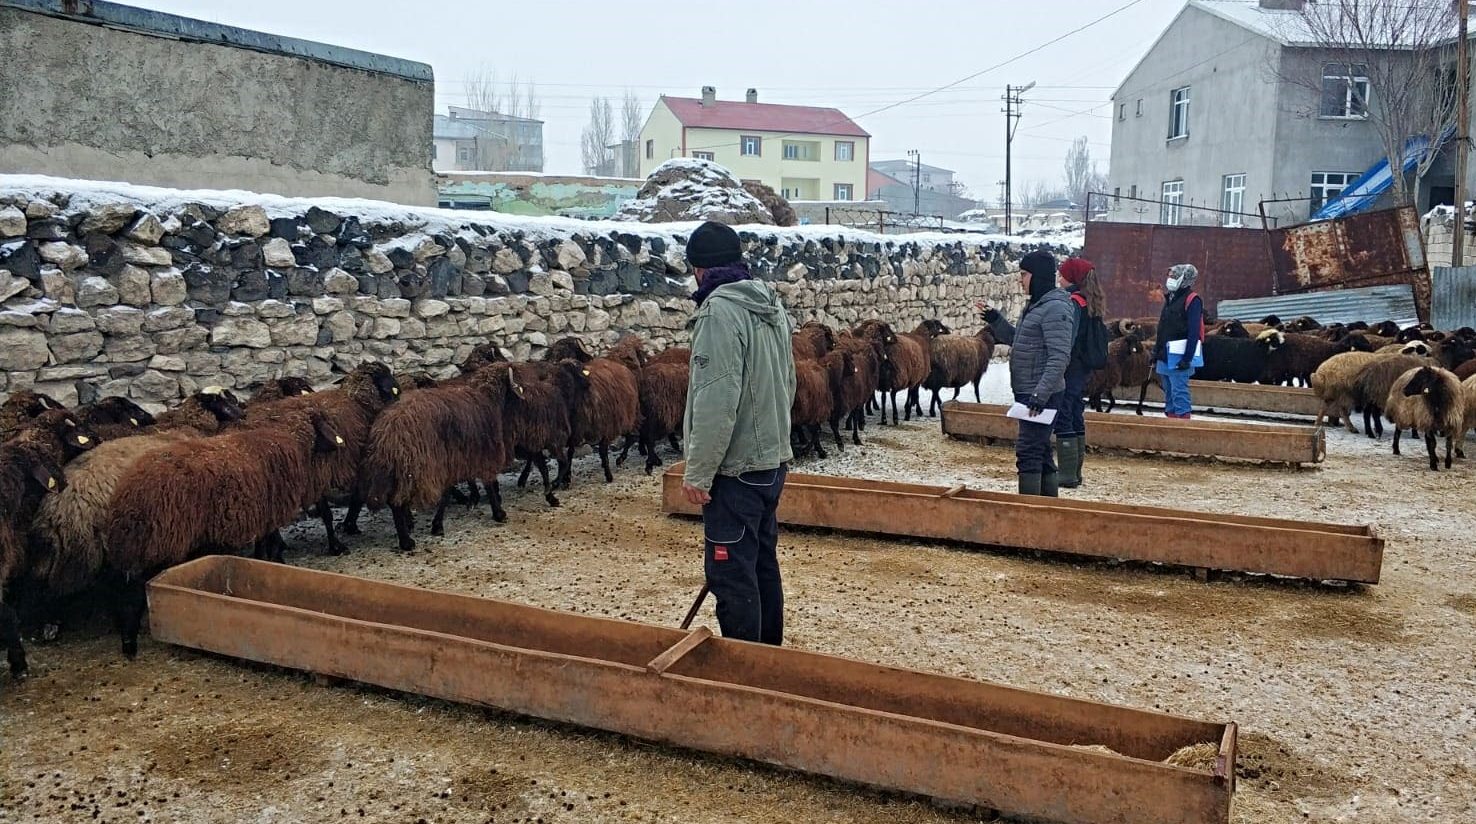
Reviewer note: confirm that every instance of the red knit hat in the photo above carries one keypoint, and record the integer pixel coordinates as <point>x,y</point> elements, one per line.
<point>1074,269</point>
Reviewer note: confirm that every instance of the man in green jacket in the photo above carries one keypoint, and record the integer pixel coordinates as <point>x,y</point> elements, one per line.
<point>737,433</point>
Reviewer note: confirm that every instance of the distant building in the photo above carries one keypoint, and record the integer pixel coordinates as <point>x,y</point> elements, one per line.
<point>892,181</point>
<point>624,159</point>
<point>803,152</point>
<point>467,140</point>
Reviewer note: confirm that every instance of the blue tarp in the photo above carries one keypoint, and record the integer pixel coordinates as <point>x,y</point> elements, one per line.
<point>1365,191</point>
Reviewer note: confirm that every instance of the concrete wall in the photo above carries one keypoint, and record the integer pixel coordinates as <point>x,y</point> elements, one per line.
<point>820,176</point>
<point>82,100</point>
<point>119,290</point>
<point>525,194</point>
<point>1232,118</point>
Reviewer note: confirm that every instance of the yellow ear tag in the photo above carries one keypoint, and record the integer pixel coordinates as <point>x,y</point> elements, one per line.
<point>395,391</point>
<point>83,439</point>
<point>338,439</point>
<point>133,421</point>
<point>586,373</point>
<point>304,392</point>
<point>51,483</point>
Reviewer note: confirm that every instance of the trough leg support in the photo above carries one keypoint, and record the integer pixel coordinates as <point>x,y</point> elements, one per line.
<point>674,653</point>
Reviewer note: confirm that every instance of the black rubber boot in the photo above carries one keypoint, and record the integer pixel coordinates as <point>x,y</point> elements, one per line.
<point>1048,485</point>
<point>1068,458</point>
<point>1029,483</point>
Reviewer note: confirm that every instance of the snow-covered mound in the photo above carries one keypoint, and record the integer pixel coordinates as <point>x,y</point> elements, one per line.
<point>685,188</point>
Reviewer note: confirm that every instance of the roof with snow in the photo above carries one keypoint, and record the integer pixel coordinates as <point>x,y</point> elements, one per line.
<point>762,117</point>
<point>894,166</point>
<point>1289,27</point>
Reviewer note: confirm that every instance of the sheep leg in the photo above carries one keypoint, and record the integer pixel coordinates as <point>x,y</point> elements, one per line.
<point>1396,440</point>
<point>129,603</point>
<point>676,445</point>
<point>401,515</point>
<point>335,546</point>
<point>271,547</point>
<point>10,635</point>
<point>652,459</point>
<point>438,521</point>
<point>625,449</point>
<point>1430,448</point>
<point>1142,393</point>
<point>856,420</point>
<point>548,494</point>
<point>1448,440</point>
<point>604,447</point>
<point>976,388</point>
<point>523,476</point>
<point>840,443</point>
<point>460,497</point>
<point>350,525</point>
<point>494,497</point>
<point>817,440</point>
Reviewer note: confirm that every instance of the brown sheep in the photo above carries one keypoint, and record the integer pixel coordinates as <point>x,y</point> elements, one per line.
<point>167,506</point>
<point>858,387</point>
<point>114,417</point>
<point>812,341</point>
<point>680,355</point>
<point>1333,383</point>
<point>1371,390</point>
<point>958,360</point>
<point>279,388</point>
<point>350,409</point>
<point>1294,356</point>
<point>663,389</point>
<point>1431,400</point>
<point>432,439</point>
<point>905,368</point>
<point>22,406</point>
<point>28,472</point>
<point>817,385</point>
<point>1129,364</point>
<point>610,409</point>
<point>541,422</point>
<point>68,530</point>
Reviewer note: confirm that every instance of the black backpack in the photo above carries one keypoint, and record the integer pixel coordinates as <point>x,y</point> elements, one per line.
<point>1091,337</point>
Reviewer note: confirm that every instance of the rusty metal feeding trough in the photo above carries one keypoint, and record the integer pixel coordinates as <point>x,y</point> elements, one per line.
<point>1202,541</point>
<point>1195,437</point>
<point>1245,398</point>
<point>1023,753</point>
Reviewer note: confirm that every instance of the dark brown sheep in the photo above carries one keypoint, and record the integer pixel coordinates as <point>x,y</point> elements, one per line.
<point>663,391</point>
<point>1294,356</point>
<point>28,472</point>
<point>858,387</point>
<point>224,493</point>
<point>1129,365</point>
<point>812,341</point>
<point>610,409</point>
<point>676,354</point>
<point>433,439</point>
<point>541,422</point>
<point>279,388</point>
<point>350,409</point>
<point>906,366</point>
<point>817,385</point>
<point>1371,389</point>
<point>114,417</point>
<point>21,406</point>
<point>957,361</point>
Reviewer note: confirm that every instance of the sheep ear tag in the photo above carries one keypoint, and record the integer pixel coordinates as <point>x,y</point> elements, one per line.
<point>44,477</point>
<point>586,373</point>
<point>133,421</point>
<point>394,390</point>
<point>338,439</point>
<point>83,440</point>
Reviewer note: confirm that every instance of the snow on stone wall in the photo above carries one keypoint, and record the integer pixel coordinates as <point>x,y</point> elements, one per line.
<point>112,289</point>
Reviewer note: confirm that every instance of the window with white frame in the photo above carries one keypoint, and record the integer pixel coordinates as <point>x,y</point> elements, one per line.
<point>1344,90</point>
<point>1173,198</point>
<point>1328,186</point>
<point>750,145</point>
<point>1232,200</point>
<point>842,191</point>
<point>702,155</point>
<point>845,150</point>
<point>1179,113</point>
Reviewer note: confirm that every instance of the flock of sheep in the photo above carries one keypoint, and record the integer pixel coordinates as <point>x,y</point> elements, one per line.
<point>1421,379</point>
<point>97,499</point>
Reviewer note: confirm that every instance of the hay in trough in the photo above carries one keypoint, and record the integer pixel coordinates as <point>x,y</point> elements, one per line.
<point>1195,756</point>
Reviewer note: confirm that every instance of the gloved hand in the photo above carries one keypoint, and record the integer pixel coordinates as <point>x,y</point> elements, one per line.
<point>1184,363</point>
<point>1035,405</point>
<point>987,312</point>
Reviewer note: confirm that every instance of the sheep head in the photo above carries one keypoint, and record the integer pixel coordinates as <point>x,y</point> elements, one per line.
<point>1270,339</point>
<point>1423,383</point>
<point>1355,343</point>
<point>372,384</point>
<point>1234,329</point>
<point>935,327</point>
<point>118,410</point>
<point>40,469</point>
<point>221,403</point>
<point>62,428</point>
<point>1417,348</point>
<point>325,437</point>
<point>568,347</point>
<point>1409,335</point>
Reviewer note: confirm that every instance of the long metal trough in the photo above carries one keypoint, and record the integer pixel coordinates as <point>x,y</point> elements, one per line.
<point>1196,437</point>
<point>1020,752</point>
<point>1199,540</point>
<point>1246,398</point>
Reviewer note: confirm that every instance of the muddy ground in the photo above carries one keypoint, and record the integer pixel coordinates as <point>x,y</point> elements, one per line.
<point>1354,704</point>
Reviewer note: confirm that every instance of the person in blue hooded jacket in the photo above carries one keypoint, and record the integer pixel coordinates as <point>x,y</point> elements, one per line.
<point>1180,333</point>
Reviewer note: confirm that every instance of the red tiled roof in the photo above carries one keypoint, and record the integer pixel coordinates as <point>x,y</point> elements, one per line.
<point>876,180</point>
<point>766,117</point>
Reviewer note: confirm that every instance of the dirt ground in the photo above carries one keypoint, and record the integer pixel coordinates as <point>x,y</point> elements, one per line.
<point>1354,704</point>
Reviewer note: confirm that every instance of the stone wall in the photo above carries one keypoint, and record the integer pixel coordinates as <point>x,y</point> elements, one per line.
<point>113,289</point>
<point>100,89</point>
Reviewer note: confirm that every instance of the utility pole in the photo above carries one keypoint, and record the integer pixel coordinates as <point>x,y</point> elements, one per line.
<point>916,180</point>
<point>1012,120</point>
<point>1463,134</point>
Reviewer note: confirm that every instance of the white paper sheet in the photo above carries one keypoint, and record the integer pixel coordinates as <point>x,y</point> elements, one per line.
<point>1022,412</point>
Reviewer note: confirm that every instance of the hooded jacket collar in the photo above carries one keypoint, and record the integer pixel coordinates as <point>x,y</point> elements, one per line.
<point>751,295</point>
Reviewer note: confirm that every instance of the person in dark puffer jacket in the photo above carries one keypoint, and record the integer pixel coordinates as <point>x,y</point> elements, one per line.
<point>1040,349</point>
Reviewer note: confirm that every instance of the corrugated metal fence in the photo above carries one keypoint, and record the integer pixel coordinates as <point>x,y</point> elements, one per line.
<point>1453,303</point>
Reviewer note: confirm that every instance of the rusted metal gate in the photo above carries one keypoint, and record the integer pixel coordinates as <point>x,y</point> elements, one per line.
<point>1199,540</point>
<point>1214,396</point>
<point>1370,249</point>
<point>1378,248</point>
<point>1453,302</point>
<point>1030,754</point>
<point>1150,433</point>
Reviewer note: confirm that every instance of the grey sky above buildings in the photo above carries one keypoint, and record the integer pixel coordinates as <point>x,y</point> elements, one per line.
<point>856,55</point>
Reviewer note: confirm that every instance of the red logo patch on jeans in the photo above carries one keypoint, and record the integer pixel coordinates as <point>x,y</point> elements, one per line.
<point>720,553</point>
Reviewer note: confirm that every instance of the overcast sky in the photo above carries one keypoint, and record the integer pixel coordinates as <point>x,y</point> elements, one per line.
<point>857,55</point>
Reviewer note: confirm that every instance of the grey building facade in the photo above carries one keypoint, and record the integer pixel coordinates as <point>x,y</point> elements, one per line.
<point>1208,118</point>
<point>468,140</point>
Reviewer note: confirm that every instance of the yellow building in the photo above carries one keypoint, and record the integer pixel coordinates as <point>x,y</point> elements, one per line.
<point>804,152</point>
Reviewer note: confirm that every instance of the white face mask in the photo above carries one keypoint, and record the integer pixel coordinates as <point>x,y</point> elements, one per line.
<point>1173,283</point>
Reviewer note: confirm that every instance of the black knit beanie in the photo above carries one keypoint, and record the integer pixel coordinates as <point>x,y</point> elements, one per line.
<point>1042,268</point>
<point>713,244</point>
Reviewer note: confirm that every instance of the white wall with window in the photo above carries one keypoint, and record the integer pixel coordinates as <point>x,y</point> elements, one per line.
<point>1179,113</point>
<point>1169,212</point>
<point>843,191</point>
<point>703,155</point>
<point>1328,186</point>
<point>750,145</point>
<point>1232,200</point>
<point>845,150</point>
<point>1344,91</point>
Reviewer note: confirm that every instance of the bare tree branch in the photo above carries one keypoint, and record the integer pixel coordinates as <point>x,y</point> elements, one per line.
<point>598,134</point>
